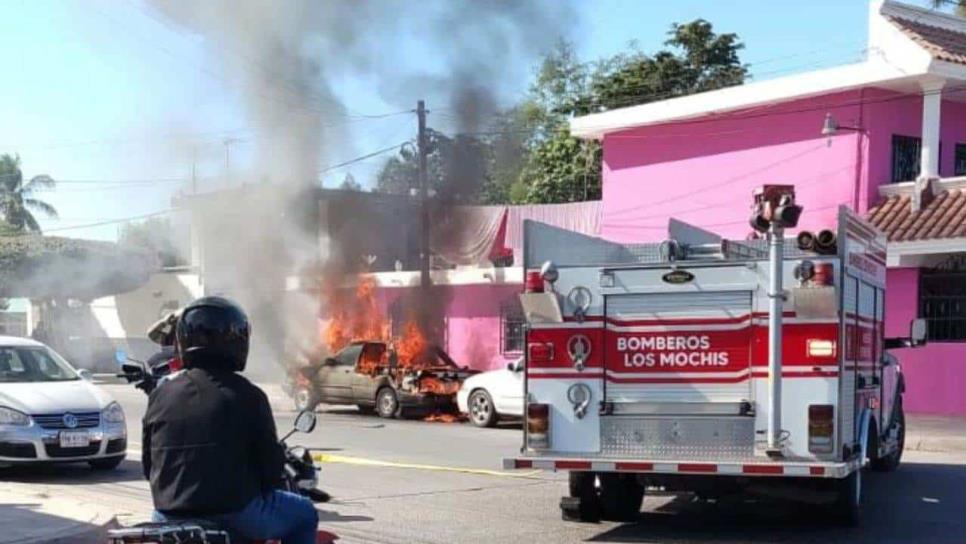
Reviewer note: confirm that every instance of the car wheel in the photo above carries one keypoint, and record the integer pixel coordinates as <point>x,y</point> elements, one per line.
<point>891,462</point>
<point>109,463</point>
<point>305,399</point>
<point>621,496</point>
<point>387,404</point>
<point>482,411</point>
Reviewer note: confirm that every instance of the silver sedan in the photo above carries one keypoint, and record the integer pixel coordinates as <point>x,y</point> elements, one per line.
<point>49,412</point>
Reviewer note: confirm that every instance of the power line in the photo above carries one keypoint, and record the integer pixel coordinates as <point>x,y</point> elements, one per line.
<point>363,157</point>
<point>92,225</point>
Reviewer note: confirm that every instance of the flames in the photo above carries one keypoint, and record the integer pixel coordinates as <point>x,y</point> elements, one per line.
<point>354,315</point>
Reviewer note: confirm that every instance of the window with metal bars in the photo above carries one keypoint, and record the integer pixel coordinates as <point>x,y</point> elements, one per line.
<point>942,302</point>
<point>906,151</point>
<point>959,168</point>
<point>511,327</point>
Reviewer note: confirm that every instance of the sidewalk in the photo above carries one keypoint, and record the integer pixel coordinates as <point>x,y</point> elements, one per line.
<point>935,433</point>
<point>34,517</point>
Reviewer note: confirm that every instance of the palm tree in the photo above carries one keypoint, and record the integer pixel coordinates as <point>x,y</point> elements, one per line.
<point>960,5</point>
<point>16,197</point>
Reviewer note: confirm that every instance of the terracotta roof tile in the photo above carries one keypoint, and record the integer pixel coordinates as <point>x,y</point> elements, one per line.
<point>942,43</point>
<point>943,217</point>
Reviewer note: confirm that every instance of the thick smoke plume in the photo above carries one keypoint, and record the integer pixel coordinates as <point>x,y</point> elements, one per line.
<point>287,58</point>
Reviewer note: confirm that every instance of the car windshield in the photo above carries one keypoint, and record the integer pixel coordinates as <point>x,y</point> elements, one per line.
<point>33,364</point>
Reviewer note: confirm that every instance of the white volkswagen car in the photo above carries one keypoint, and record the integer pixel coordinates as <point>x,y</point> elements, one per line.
<point>49,412</point>
<point>489,396</point>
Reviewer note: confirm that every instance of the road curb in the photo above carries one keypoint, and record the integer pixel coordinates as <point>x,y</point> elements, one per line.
<point>81,532</point>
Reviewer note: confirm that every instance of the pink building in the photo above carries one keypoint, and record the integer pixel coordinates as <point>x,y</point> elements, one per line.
<point>886,136</point>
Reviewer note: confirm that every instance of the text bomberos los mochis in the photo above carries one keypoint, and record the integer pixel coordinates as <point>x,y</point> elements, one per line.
<point>669,352</point>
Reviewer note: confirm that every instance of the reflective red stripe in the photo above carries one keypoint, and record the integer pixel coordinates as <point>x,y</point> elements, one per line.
<point>572,465</point>
<point>634,466</point>
<point>763,469</point>
<point>816,471</point>
<point>523,463</point>
<point>697,467</point>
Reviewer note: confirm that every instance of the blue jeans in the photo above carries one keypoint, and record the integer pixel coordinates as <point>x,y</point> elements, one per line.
<point>278,514</point>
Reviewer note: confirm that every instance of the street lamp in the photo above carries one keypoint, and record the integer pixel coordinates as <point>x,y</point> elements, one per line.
<point>830,127</point>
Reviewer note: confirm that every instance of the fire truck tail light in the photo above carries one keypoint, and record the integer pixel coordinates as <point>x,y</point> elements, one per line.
<point>821,427</point>
<point>820,348</point>
<point>824,274</point>
<point>534,282</point>
<point>540,352</point>
<point>538,426</point>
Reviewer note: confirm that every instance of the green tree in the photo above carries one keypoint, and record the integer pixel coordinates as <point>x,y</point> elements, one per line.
<point>349,183</point>
<point>561,168</point>
<point>456,168</point>
<point>17,202</point>
<point>154,236</point>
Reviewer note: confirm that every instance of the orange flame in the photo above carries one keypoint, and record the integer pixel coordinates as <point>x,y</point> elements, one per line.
<point>354,317</point>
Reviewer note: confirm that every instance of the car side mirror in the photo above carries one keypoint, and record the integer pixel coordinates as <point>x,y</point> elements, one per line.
<point>329,361</point>
<point>85,374</point>
<point>305,422</point>
<point>917,331</point>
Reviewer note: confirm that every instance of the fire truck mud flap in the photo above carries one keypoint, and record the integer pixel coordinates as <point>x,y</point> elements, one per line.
<point>737,468</point>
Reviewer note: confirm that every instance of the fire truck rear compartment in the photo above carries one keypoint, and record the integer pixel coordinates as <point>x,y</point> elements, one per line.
<point>700,404</point>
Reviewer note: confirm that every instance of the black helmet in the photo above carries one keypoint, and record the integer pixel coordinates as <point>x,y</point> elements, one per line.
<point>213,332</point>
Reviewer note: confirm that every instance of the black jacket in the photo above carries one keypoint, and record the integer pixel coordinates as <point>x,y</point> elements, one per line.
<point>209,443</point>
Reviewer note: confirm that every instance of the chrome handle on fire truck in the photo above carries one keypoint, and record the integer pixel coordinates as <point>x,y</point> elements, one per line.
<point>578,348</point>
<point>579,395</point>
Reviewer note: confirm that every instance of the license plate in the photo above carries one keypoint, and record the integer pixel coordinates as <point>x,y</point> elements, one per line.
<point>75,439</point>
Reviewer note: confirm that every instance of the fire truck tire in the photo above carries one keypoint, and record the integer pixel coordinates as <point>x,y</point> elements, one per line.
<point>387,403</point>
<point>482,411</point>
<point>891,462</point>
<point>848,503</point>
<point>305,398</point>
<point>583,504</point>
<point>621,497</point>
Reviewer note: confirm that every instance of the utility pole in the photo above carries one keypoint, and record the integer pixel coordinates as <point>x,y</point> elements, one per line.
<point>228,142</point>
<point>423,197</point>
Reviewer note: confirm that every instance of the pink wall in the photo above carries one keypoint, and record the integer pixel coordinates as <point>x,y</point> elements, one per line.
<point>704,172</point>
<point>473,322</point>
<point>936,373</point>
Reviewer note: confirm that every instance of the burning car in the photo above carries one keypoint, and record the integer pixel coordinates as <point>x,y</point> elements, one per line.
<point>377,377</point>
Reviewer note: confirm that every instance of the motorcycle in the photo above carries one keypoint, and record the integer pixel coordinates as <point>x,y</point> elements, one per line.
<point>300,475</point>
<point>146,375</point>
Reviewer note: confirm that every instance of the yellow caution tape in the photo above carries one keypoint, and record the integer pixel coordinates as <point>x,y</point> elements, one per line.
<point>328,458</point>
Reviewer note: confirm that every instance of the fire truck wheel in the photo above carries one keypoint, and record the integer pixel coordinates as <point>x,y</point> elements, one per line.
<point>621,497</point>
<point>482,411</point>
<point>891,462</point>
<point>387,404</point>
<point>848,502</point>
<point>305,399</point>
<point>583,504</point>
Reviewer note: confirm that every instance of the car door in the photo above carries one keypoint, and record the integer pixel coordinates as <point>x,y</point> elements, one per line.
<point>508,389</point>
<point>335,376</point>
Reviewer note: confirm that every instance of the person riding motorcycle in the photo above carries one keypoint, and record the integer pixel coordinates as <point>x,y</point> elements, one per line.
<point>210,449</point>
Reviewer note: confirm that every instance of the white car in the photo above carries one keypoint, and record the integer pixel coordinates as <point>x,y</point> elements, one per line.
<point>489,396</point>
<point>50,412</point>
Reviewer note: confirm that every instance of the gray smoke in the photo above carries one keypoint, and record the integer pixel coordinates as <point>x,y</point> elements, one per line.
<point>463,56</point>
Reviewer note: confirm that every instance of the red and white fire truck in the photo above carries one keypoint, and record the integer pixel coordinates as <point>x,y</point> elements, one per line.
<point>688,366</point>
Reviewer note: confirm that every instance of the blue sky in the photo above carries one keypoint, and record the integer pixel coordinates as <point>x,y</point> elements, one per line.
<point>107,98</point>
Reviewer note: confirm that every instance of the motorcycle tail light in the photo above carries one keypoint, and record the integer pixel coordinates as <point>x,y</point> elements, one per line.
<point>821,427</point>
<point>538,426</point>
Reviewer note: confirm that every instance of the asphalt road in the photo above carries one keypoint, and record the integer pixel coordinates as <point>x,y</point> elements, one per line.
<point>922,502</point>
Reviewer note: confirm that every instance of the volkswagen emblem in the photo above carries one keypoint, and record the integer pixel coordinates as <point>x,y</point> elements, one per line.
<point>70,420</point>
